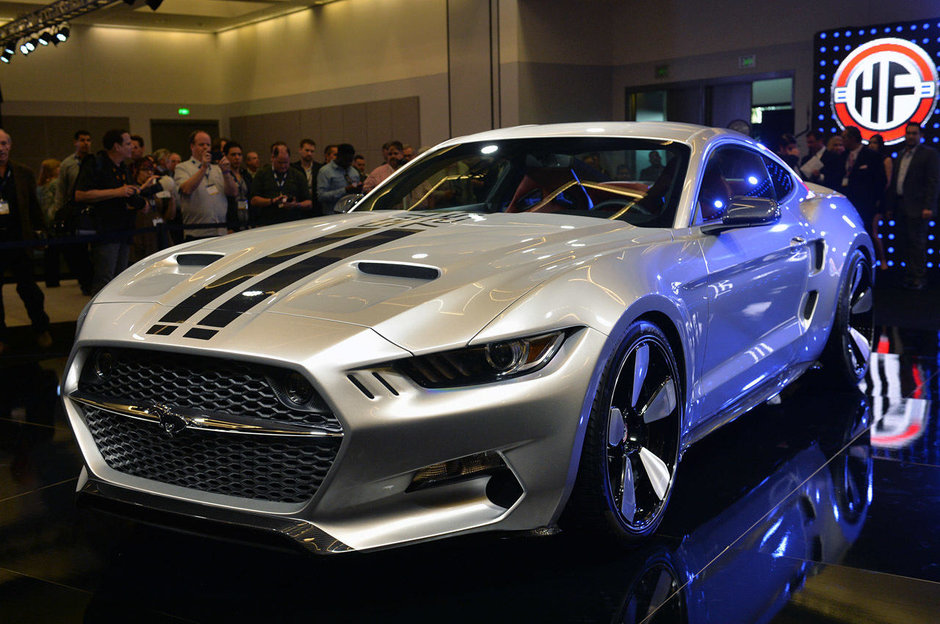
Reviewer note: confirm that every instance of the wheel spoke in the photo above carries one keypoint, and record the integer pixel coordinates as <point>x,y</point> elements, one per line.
<point>657,471</point>
<point>615,427</point>
<point>862,302</point>
<point>859,347</point>
<point>628,498</point>
<point>640,366</point>
<point>661,404</point>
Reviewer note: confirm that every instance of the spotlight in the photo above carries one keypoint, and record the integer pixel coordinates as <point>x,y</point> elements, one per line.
<point>45,38</point>
<point>6,57</point>
<point>154,4</point>
<point>32,43</point>
<point>62,34</point>
<point>24,48</point>
<point>9,48</point>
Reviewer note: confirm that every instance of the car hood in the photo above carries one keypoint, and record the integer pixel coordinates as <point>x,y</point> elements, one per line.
<point>421,280</point>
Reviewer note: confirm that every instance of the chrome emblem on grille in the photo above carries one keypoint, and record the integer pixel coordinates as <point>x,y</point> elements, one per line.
<point>171,422</point>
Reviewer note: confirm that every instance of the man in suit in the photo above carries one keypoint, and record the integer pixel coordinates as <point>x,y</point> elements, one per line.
<point>309,167</point>
<point>913,202</point>
<point>863,180</point>
<point>20,220</point>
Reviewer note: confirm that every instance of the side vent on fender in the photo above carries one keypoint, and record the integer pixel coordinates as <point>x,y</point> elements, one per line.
<point>818,249</point>
<point>390,269</point>
<point>809,306</point>
<point>363,381</point>
<point>197,259</point>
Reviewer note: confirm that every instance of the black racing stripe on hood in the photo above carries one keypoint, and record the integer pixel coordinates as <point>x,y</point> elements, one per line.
<point>191,306</point>
<point>271,285</point>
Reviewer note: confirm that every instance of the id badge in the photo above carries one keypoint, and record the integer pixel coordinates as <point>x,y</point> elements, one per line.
<point>4,207</point>
<point>212,189</point>
<point>243,204</point>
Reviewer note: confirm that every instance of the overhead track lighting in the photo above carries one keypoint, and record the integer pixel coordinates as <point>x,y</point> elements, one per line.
<point>45,38</point>
<point>62,35</point>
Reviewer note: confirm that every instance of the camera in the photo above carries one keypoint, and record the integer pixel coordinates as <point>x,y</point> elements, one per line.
<point>150,191</point>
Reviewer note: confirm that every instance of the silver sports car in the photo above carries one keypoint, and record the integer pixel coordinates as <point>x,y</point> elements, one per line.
<point>519,330</point>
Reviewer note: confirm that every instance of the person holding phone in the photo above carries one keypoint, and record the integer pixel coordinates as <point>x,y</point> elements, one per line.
<point>279,192</point>
<point>204,188</point>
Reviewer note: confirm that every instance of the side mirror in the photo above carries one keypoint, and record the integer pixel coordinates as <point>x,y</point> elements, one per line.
<point>745,212</point>
<point>346,203</point>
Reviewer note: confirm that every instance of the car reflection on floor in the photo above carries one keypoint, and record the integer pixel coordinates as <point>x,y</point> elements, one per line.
<point>765,506</point>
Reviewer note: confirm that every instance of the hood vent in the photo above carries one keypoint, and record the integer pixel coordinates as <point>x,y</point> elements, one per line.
<point>387,269</point>
<point>197,259</point>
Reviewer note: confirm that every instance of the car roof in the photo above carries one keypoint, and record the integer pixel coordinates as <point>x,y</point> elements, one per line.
<point>670,131</point>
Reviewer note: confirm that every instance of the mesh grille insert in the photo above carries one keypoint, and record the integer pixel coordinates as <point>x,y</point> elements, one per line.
<point>279,469</point>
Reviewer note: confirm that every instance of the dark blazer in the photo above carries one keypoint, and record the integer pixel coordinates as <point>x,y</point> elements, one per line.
<point>921,184</point>
<point>313,179</point>
<point>27,203</point>
<point>866,183</point>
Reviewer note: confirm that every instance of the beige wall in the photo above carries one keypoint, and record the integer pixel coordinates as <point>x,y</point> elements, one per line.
<point>555,60</point>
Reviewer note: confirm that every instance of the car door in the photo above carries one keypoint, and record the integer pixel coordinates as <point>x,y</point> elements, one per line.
<point>756,280</point>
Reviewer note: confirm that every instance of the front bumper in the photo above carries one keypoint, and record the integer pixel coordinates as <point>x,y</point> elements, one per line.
<point>393,430</point>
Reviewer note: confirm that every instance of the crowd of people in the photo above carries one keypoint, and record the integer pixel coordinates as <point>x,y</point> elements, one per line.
<point>103,210</point>
<point>882,188</point>
<point>100,211</point>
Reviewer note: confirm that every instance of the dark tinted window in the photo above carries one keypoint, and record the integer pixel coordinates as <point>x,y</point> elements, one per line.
<point>731,172</point>
<point>782,179</point>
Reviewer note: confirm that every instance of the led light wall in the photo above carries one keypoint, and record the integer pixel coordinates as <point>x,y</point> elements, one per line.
<point>878,78</point>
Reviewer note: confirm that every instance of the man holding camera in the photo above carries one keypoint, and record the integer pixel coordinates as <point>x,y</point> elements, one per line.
<point>104,183</point>
<point>205,186</point>
<point>279,192</point>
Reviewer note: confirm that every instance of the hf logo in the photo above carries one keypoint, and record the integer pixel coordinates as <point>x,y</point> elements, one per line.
<point>882,85</point>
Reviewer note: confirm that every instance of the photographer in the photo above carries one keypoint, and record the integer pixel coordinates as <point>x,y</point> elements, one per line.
<point>105,184</point>
<point>279,192</point>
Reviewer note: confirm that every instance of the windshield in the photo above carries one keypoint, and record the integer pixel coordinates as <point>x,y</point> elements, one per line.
<point>633,180</point>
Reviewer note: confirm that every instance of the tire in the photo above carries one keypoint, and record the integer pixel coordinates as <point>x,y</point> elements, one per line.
<point>847,352</point>
<point>631,447</point>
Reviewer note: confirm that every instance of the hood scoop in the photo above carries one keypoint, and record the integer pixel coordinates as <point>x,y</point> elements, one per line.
<point>197,259</point>
<point>394,269</point>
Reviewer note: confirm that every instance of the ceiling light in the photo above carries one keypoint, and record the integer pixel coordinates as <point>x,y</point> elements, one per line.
<point>5,57</point>
<point>9,48</point>
<point>63,33</point>
<point>45,38</point>
<point>24,48</point>
<point>32,43</point>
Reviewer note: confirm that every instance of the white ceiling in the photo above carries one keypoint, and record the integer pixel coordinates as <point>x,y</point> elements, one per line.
<point>184,15</point>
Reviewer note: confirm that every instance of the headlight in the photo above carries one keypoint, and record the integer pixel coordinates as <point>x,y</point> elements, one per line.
<point>487,363</point>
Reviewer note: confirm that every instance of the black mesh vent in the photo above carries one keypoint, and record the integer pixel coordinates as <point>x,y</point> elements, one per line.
<point>280,469</point>
<point>139,377</point>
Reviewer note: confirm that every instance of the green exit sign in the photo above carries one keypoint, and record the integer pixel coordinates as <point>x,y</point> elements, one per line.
<point>747,62</point>
<point>183,111</point>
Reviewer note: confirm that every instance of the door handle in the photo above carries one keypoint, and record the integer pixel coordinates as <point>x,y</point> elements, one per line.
<point>797,240</point>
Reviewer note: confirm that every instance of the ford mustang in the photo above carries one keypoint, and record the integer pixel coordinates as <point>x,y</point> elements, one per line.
<point>519,330</point>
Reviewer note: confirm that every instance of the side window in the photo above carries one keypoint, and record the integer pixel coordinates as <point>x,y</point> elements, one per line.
<point>781,177</point>
<point>731,172</point>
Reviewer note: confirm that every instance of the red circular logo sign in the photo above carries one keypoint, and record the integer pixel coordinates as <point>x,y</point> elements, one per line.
<point>882,85</point>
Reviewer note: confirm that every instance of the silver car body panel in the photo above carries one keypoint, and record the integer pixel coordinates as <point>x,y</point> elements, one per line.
<point>735,303</point>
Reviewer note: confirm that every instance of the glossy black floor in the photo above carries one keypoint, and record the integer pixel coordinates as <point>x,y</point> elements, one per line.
<point>824,507</point>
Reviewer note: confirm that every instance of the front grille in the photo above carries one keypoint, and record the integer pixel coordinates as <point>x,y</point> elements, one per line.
<point>270,468</point>
<point>142,377</point>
